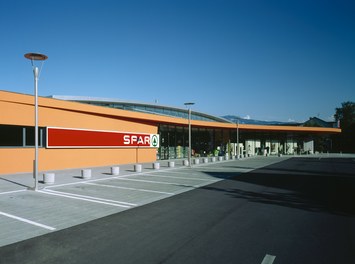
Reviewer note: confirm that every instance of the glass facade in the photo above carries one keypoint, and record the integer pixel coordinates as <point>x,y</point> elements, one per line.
<point>167,111</point>
<point>174,141</point>
<point>144,108</point>
<point>208,142</point>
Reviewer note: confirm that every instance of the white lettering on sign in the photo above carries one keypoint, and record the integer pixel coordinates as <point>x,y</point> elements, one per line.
<point>134,139</point>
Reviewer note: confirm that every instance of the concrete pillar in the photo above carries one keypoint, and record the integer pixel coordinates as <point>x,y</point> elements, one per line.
<point>138,167</point>
<point>115,170</point>
<point>86,174</point>
<point>171,164</point>
<point>156,165</point>
<point>48,178</point>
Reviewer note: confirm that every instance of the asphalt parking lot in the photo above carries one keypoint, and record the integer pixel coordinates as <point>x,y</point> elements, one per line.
<point>72,200</point>
<point>257,210</point>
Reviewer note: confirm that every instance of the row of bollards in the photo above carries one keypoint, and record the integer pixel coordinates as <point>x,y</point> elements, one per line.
<point>49,177</point>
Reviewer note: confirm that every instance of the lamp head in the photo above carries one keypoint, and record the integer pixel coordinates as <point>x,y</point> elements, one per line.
<point>35,56</point>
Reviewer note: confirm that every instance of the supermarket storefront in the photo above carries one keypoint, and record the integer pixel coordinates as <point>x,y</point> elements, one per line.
<point>78,135</point>
<point>218,141</point>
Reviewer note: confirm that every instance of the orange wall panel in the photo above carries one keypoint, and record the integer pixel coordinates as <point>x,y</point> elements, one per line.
<point>20,160</point>
<point>73,119</point>
<point>16,160</point>
<point>54,159</point>
<point>13,113</point>
<point>18,109</point>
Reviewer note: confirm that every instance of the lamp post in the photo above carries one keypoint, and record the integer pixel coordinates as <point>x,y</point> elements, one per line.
<point>238,139</point>
<point>36,57</point>
<point>188,104</point>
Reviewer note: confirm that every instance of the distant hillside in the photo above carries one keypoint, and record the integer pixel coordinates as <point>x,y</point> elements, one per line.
<point>235,119</point>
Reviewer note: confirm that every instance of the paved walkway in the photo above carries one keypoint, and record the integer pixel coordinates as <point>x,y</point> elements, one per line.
<point>72,200</point>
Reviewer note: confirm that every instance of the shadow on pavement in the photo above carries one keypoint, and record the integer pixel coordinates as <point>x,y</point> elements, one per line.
<point>312,184</point>
<point>16,183</point>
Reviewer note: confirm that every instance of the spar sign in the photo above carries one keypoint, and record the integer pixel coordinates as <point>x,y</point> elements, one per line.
<point>58,137</point>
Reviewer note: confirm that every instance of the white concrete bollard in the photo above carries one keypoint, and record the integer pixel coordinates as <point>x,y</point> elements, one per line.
<point>171,164</point>
<point>196,161</point>
<point>186,163</point>
<point>49,178</point>
<point>220,158</point>
<point>115,170</point>
<point>205,160</point>
<point>138,167</point>
<point>213,159</point>
<point>86,174</point>
<point>156,165</point>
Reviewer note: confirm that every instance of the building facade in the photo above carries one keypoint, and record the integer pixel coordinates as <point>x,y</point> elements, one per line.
<point>78,133</point>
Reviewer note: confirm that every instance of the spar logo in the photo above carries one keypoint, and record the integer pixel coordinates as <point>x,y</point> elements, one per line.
<point>141,140</point>
<point>154,141</point>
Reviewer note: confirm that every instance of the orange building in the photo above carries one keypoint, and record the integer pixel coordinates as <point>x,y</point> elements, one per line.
<point>78,135</point>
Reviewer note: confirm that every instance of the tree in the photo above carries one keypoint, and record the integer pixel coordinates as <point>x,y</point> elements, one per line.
<point>346,116</point>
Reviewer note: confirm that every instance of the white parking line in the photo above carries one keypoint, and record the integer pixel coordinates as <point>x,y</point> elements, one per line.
<point>27,221</point>
<point>221,169</point>
<point>23,190</point>
<point>171,171</point>
<point>183,178</point>
<point>158,182</point>
<point>268,259</point>
<point>89,198</point>
<point>105,178</point>
<point>127,188</point>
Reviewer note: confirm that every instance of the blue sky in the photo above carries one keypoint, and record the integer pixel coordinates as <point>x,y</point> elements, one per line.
<point>267,59</point>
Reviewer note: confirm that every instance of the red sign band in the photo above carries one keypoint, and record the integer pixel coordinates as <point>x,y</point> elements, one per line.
<point>82,138</point>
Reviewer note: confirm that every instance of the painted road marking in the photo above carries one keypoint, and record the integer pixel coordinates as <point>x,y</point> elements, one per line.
<point>268,259</point>
<point>23,190</point>
<point>172,171</point>
<point>106,178</point>
<point>127,188</point>
<point>89,198</point>
<point>28,221</point>
<point>94,198</point>
<point>158,182</point>
<point>184,178</point>
<point>222,169</point>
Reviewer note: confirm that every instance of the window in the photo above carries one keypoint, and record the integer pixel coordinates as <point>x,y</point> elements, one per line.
<point>11,136</point>
<point>19,136</point>
<point>29,137</point>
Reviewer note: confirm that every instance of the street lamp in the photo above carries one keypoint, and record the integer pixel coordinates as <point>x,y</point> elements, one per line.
<point>36,57</point>
<point>188,104</point>
<point>238,139</point>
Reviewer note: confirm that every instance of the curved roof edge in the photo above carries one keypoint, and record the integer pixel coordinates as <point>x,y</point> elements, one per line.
<point>148,108</point>
<point>26,99</point>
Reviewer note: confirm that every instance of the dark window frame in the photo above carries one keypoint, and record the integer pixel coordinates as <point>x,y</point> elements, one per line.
<point>13,136</point>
